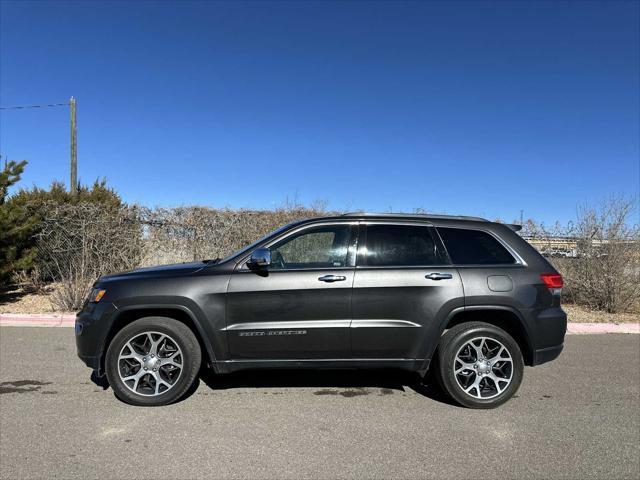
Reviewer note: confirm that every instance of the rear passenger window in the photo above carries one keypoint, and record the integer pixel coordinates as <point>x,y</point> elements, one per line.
<point>399,245</point>
<point>473,247</point>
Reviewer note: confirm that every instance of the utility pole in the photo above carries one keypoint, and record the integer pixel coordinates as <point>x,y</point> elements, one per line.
<point>73,187</point>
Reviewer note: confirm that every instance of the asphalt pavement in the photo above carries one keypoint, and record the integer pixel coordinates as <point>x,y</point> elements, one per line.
<point>577,417</point>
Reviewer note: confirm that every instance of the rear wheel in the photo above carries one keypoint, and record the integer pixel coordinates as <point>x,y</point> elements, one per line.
<point>479,365</point>
<point>153,361</point>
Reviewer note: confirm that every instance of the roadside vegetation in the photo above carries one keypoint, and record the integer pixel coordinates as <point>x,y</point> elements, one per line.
<point>55,245</point>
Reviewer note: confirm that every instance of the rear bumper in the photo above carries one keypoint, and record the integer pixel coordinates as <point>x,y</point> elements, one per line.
<point>548,354</point>
<point>547,328</point>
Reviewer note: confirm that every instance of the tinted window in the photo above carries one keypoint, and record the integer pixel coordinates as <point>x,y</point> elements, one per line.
<point>318,247</point>
<point>399,245</point>
<point>473,247</point>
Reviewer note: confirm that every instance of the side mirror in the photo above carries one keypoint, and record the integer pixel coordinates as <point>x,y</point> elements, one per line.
<point>260,258</point>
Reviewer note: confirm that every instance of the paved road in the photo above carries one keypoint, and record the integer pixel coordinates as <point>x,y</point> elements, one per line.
<point>576,418</point>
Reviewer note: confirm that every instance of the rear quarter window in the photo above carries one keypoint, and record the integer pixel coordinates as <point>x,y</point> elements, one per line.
<point>474,247</point>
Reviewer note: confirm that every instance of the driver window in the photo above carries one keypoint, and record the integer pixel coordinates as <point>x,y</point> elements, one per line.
<point>317,247</point>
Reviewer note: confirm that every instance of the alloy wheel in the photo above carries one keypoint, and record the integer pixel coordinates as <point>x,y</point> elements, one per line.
<point>150,363</point>
<point>483,368</point>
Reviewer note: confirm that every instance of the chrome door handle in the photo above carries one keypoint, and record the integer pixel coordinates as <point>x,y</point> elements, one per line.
<point>332,278</point>
<point>439,276</point>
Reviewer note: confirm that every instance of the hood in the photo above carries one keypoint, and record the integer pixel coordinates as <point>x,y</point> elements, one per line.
<point>173,270</point>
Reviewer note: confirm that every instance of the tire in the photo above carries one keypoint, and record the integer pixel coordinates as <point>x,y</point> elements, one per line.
<point>484,380</point>
<point>168,350</point>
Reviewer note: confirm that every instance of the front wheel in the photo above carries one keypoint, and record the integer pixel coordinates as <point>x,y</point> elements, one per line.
<point>479,365</point>
<point>153,361</point>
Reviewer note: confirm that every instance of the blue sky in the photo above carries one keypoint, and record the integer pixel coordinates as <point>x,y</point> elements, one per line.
<point>470,108</point>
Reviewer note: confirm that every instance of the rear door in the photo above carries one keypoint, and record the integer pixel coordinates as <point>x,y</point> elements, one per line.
<point>404,288</point>
<point>299,307</point>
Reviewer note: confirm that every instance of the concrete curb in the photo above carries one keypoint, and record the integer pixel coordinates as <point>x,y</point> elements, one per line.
<point>594,328</point>
<point>37,320</point>
<point>68,320</point>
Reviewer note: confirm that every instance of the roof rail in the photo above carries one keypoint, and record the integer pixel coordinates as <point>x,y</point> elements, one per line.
<point>414,215</point>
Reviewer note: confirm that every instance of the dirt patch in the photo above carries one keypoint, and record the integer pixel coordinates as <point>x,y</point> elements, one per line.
<point>16,300</point>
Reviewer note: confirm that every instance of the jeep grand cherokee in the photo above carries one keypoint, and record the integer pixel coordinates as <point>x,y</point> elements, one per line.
<point>462,296</point>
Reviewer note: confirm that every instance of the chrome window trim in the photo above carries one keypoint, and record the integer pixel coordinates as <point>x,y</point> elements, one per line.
<point>242,264</point>
<point>411,223</point>
<point>519,261</point>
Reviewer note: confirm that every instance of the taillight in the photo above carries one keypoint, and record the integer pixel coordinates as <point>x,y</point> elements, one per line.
<point>552,280</point>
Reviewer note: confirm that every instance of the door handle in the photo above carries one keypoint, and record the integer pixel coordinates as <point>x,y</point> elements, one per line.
<point>332,278</point>
<point>439,276</point>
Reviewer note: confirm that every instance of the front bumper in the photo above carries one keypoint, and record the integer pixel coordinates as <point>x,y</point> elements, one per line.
<point>91,328</point>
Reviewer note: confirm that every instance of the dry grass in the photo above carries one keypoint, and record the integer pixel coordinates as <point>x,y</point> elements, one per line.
<point>579,314</point>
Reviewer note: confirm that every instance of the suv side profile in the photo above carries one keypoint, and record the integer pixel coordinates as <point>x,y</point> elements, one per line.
<point>466,298</point>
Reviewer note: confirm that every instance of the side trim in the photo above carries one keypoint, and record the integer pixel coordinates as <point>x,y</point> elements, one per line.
<point>383,323</point>
<point>372,323</point>
<point>289,325</point>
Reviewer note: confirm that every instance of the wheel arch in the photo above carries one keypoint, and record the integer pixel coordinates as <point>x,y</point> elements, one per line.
<point>126,315</point>
<point>506,318</point>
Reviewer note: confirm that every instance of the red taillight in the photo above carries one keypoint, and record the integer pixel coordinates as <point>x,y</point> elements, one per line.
<point>552,280</point>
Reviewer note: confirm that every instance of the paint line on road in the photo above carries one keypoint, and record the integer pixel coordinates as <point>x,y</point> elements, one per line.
<point>68,320</point>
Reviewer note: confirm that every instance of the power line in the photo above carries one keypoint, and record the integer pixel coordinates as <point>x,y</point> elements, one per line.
<point>34,106</point>
<point>73,187</point>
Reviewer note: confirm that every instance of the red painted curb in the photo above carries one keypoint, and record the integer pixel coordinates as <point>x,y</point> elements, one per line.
<point>37,320</point>
<point>68,320</point>
<point>594,328</point>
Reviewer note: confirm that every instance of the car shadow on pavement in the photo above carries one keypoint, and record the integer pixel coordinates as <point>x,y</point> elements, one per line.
<point>345,383</point>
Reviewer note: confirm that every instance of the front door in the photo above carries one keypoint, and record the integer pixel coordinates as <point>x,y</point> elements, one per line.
<point>403,289</point>
<point>300,306</point>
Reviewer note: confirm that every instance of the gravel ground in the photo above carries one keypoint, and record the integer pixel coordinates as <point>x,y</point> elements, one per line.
<point>577,417</point>
<point>13,300</point>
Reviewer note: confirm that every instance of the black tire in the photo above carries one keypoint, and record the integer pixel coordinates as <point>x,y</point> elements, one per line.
<point>458,337</point>
<point>179,334</point>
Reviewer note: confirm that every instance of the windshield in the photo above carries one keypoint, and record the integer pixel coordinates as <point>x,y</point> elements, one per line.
<point>257,242</point>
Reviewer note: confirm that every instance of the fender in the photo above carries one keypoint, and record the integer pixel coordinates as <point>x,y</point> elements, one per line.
<point>468,308</point>
<point>204,336</point>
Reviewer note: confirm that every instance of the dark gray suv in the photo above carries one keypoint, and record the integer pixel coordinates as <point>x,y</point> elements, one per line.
<point>462,296</point>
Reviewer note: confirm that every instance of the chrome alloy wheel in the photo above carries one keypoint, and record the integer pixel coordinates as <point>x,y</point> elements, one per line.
<point>483,368</point>
<point>150,363</point>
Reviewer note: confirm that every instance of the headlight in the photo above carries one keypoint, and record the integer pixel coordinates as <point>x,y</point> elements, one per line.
<point>96,295</point>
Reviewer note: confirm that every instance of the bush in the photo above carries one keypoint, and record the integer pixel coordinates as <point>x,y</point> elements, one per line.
<point>77,243</point>
<point>605,275</point>
<point>22,214</point>
<point>195,233</point>
<point>16,225</point>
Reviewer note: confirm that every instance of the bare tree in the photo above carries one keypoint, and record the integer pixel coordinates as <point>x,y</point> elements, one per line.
<point>80,242</point>
<point>605,275</point>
